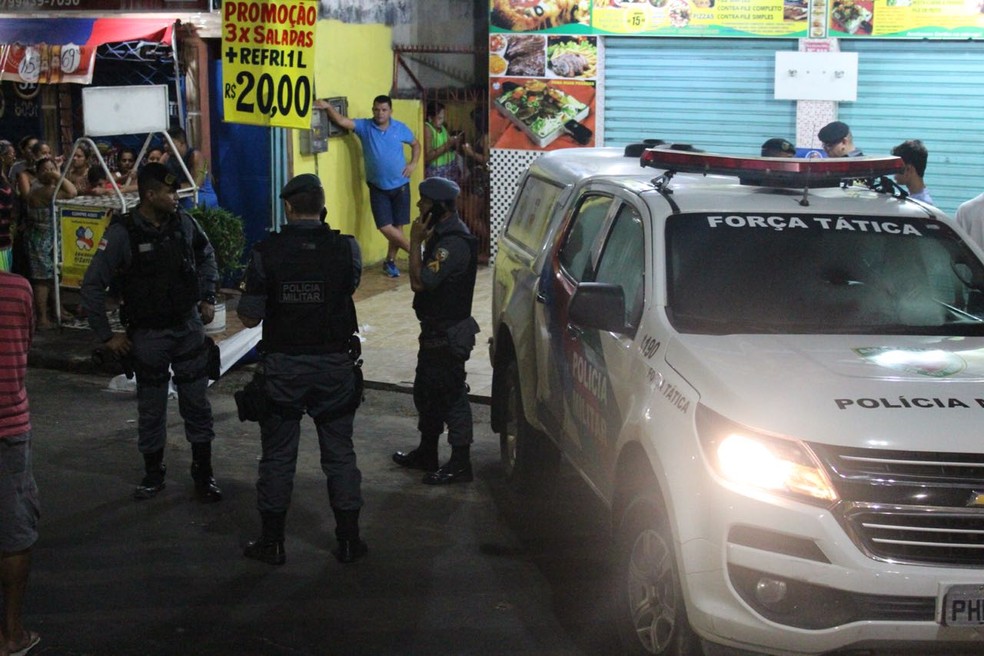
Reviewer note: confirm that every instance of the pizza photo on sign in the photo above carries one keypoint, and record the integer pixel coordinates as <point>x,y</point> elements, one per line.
<point>534,15</point>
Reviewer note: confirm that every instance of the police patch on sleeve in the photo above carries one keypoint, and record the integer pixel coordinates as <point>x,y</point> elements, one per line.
<point>434,265</point>
<point>441,254</point>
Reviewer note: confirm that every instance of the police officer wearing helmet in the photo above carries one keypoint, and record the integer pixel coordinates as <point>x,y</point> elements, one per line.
<point>299,283</point>
<point>165,267</point>
<point>442,275</point>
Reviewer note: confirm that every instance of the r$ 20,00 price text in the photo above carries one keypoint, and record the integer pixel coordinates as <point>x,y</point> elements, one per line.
<point>270,97</point>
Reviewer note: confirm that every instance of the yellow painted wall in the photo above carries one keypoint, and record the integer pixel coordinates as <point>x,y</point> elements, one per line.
<point>355,61</point>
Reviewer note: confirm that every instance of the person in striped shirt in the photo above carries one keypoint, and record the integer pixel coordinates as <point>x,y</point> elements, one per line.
<point>19,507</point>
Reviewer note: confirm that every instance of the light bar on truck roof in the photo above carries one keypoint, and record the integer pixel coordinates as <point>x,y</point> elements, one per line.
<point>773,171</point>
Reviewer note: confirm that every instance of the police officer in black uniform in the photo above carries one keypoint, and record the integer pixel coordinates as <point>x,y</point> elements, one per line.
<point>443,279</point>
<point>165,267</point>
<point>299,283</point>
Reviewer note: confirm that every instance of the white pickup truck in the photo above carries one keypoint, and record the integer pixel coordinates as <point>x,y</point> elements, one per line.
<point>772,371</point>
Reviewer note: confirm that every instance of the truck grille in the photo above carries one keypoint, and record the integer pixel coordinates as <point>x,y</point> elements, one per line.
<point>925,536</point>
<point>911,507</point>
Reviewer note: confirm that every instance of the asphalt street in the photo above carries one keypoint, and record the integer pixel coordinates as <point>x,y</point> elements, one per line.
<point>476,569</point>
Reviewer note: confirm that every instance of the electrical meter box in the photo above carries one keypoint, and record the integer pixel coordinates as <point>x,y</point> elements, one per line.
<point>315,140</point>
<point>340,105</point>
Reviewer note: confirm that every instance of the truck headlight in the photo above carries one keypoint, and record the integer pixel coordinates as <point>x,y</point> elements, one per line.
<point>750,459</point>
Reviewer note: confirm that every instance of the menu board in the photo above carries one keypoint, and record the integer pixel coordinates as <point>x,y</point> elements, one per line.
<point>923,19</point>
<point>702,18</point>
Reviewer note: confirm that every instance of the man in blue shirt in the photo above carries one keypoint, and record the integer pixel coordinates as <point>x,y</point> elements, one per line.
<point>387,170</point>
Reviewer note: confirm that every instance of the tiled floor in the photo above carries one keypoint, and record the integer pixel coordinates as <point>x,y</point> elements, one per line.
<point>389,330</point>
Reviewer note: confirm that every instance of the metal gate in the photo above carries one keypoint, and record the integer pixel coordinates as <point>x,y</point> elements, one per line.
<point>716,94</point>
<point>927,90</point>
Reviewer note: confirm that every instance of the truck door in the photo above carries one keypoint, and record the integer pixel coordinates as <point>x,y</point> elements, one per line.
<point>607,369</point>
<point>573,259</point>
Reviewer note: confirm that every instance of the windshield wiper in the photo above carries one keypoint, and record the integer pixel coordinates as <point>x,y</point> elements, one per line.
<point>960,313</point>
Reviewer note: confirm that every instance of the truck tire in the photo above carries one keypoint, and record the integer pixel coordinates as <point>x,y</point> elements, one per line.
<point>526,454</point>
<point>649,607</point>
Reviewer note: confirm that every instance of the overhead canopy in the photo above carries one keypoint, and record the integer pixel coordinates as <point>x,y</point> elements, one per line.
<point>53,50</point>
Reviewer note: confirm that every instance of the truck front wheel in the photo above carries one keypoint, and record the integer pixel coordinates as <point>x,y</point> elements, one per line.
<point>649,609</point>
<point>524,452</point>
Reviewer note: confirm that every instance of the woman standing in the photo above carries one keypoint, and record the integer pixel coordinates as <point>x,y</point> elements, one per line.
<point>78,169</point>
<point>39,234</point>
<point>440,148</point>
<point>7,156</point>
<point>475,187</point>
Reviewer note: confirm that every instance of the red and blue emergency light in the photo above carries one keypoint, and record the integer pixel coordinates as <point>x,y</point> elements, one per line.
<point>773,171</point>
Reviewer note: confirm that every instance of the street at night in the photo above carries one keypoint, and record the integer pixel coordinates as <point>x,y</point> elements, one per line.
<point>470,568</point>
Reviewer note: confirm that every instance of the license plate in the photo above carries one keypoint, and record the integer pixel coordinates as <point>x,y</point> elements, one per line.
<point>963,605</point>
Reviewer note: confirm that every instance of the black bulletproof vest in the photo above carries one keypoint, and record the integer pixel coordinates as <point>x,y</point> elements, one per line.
<point>160,288</point>
<point>310,282</point>
<point>452,299</point>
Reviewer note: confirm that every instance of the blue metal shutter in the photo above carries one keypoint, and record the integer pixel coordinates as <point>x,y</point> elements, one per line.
<point>716,94</point>
<point>927,90</point>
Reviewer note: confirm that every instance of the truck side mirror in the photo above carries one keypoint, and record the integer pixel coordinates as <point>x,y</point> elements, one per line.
<point>598,305</point>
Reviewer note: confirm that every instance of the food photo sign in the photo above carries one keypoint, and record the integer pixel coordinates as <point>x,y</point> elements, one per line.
<point>702,18</point>
<point>923,19</point>
<point>693,18</point>
<point>542,90</point>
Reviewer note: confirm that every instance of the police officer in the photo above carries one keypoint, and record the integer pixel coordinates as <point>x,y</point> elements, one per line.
<point>838,141</point>
<point>443,279</point>
<point>299,283</point>
<point>165,268</point>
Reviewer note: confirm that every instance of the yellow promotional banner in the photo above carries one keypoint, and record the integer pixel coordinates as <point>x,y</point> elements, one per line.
<point>81,230</point>
<point>268,62</point>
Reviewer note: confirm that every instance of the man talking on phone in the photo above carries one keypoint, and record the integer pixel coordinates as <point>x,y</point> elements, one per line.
<point>443,263</point>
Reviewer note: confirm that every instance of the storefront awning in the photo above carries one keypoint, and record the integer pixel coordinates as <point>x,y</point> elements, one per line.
<point>54,50</point>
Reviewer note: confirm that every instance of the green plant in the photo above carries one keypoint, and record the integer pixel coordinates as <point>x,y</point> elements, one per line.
<point>225,231</point>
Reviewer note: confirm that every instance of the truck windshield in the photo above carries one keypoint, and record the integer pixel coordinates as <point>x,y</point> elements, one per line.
<point>821,274</point>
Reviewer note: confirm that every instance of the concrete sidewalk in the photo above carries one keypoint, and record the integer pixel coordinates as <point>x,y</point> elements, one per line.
<point>389,333</point>
<point>387,326</point>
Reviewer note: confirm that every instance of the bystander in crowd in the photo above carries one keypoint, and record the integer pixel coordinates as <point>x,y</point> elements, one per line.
<point>914,156</point>
<point>19,504</point>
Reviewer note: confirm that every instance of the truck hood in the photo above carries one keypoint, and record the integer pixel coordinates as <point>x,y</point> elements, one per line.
<point>889,392</point>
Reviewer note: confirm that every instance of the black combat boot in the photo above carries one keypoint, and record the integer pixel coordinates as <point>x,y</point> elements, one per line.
<point>458,469</point>
<point>201,472</point>
<point>153,480</point>
<point>269,548</point>
<point>424,457</point>
<point>350,546</point>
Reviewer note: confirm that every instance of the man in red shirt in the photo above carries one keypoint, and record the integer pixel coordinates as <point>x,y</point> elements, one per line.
<point>19,508</point>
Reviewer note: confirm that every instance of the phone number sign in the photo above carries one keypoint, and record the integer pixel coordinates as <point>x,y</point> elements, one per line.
<point>268,62</point>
